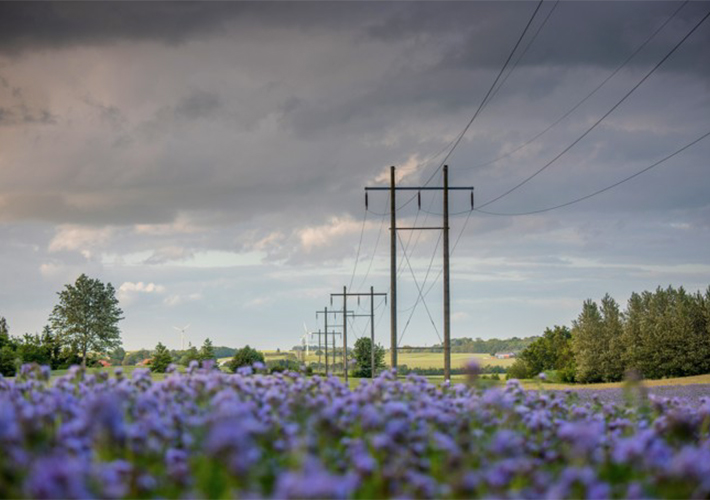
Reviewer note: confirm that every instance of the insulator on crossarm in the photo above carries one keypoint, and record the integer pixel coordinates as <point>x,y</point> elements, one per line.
<point>358,300</point>
<point>419,199</point>
<point>472,199</point>
<point>366,203</point>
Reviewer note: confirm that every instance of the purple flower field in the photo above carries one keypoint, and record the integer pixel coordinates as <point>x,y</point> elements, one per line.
<point>210,434</point>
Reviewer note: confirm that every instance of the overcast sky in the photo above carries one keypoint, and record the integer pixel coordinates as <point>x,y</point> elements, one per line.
<point>209,160</point>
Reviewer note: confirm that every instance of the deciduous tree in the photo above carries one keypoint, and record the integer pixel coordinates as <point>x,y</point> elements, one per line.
<point>87,316</point>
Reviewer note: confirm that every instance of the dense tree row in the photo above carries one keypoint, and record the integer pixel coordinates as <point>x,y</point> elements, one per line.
<point>660,334</point>
<point>489,346</point>
<point>46,349</point>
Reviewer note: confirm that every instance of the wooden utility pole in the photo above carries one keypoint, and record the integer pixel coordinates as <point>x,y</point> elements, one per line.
<point>372,332</point>
<point>325,312</point>
<point>447,305</point>
<point>372,295</point>
<point>393,261</point>
<point>393,272</point>
<point>345,333</point>
<point>325,334</point>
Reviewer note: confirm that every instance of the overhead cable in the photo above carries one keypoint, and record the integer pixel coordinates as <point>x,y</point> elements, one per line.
<point>607,188</point>
<point>640,82</point>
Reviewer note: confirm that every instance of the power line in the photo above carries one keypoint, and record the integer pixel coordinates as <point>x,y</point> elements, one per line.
<point>359,246</point>
<point>658,65</point>
<point>607,188</point>
<point>411,270</point>
<point>585,98</point>
<point>525,51</point>
<point>374,252</point>
<point>483,102</point>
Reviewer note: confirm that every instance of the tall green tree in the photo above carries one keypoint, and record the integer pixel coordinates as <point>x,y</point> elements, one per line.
<point>161,359</point>
<point>363,360</point>
<point>586,344</point>
<point>611,341</point>
<point>207,351</point>
<point>87,316</point>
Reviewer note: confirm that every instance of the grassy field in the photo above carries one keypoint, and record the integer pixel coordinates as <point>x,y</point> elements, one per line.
<point>427,359</point>
<point>697,379</point>
<point>436,359</point>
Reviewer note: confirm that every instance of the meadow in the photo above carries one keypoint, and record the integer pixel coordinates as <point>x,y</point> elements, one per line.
<point>204,433</point>
<point>414,359</point>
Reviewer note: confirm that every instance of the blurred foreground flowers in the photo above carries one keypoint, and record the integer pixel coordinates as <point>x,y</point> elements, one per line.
<point>210,434</point>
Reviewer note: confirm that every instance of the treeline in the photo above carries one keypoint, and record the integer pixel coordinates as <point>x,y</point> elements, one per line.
<point>490,346</point>
<point>45,349</point>
<point>181,357</point>
<point>660,334</point>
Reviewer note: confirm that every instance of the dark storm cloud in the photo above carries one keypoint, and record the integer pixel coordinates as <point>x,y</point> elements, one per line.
<point>481,34</point>
<point>50,25</point>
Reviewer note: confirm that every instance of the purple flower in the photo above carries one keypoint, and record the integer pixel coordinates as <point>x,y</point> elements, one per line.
<point>57,477</point>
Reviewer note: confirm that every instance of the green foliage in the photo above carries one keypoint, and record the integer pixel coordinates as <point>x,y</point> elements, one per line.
<point>552,351</point>
<point>32,349</point>
<point>116,356</point>
<point>587,343</point>
<point>520,370</point>
<point>8,361</point>
<point>246,356</point>
<point>192,354</point>
<point>161,359</point>
<point>598,342</point>
<point>4,332</point>
<point>489,346</point>
<point>282,365</point>
<point>665,333</point>
<point>363,358</point>
<point>207,351</point>
<point>87,316</point>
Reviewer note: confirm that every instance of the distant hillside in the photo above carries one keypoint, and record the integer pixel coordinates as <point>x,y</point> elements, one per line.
<point>490,346</point>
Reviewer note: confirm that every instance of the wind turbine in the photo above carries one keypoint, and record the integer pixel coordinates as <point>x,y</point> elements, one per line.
<point>182,335</point>
<point>305,339</point>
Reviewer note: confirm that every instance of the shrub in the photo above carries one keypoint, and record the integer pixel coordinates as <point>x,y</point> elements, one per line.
<point>246,356</point>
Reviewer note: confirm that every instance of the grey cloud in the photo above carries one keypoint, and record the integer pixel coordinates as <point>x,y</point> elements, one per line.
<point>51,25</point>
<point>58,24</point>
<point>199,104</point>
<point>21,115</point>
<point>59,209</point>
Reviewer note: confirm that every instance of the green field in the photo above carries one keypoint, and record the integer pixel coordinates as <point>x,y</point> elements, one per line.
<point>436,359</point>
<point>430,359</point>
